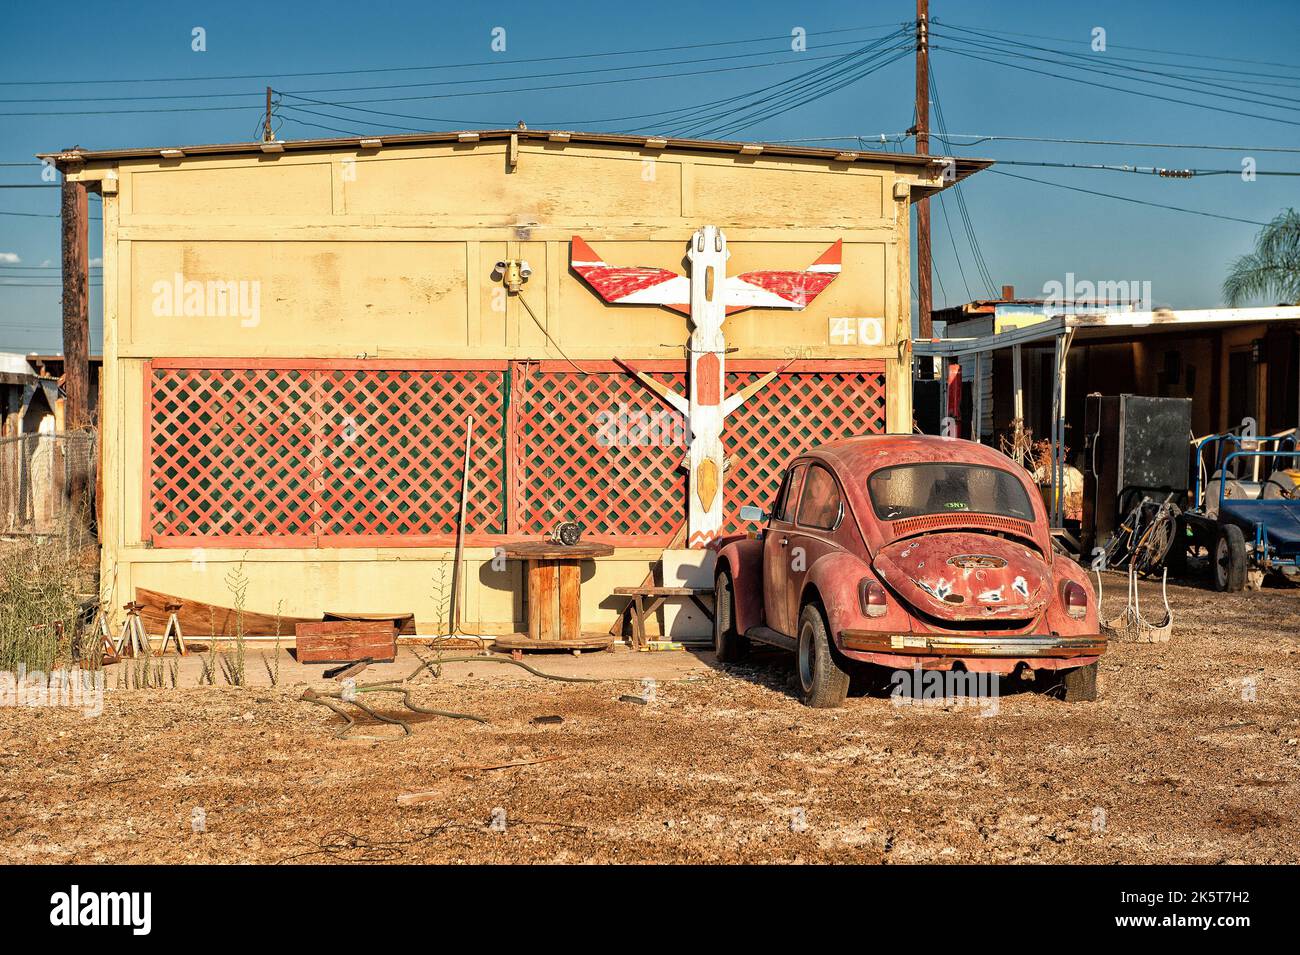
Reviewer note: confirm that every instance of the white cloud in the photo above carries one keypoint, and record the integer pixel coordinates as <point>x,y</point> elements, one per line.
<point>9,258</point>
<point>46,264</point>
<point>96,263</point>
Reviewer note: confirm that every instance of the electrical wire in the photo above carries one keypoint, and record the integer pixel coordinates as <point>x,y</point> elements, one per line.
<point>434,83</point>
<point>773,113</point>
<point>443,66</point>
<point>967,223</point>
<point>1090,63</point>
<point>812,85</point>
<point>1140,202</point>
<point>1118,89</point>
<point>343,103</point>
<point>952,239</point>
<point>977,138</point>
<point>1142,49</point>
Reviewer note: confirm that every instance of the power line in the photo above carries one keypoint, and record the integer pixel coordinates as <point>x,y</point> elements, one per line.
<point>41,215</point>
<point>1119,89</point>
<point>812,80</point>
<point>434,83</point>
<point>694,108</point>
<point>346,103</point>
<point>443,66</point>
<point>978,138</point>
<point>793,56</point>
<point>1143,49</point>
<point>903,51</point>
<point>967,222</point>
<point>1161,171</point>
<point>432,119</point>
<point>1091,63</point>
<point>952,239</point>
<point>828,81</point>
<point>1140,202</point>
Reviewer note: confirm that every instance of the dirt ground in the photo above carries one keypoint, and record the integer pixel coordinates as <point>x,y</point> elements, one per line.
<point>1190,755</point>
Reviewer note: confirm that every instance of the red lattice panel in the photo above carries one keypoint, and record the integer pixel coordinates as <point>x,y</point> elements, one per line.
<point>788,415</point>
<point>318,454</point>
<point>599,448</point>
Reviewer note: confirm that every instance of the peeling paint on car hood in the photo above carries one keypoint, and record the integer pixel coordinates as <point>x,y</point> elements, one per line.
<point>965,576</point>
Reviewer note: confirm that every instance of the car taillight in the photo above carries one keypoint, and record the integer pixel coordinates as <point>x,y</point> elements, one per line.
<point>872,596</point>
<point>1076,599</point>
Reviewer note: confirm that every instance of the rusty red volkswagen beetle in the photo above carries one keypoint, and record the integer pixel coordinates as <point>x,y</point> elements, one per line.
<point>908,551</point>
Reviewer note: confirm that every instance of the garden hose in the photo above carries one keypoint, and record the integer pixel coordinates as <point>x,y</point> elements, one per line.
<point>399,686</point>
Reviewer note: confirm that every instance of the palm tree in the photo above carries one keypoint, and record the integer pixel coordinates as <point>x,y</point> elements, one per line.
<point>1273,269</point>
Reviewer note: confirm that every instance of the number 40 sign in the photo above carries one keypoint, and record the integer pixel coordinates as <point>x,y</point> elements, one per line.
<point>857,331</point>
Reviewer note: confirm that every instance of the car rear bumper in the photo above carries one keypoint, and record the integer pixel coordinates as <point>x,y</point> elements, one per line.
<point>977,653</point>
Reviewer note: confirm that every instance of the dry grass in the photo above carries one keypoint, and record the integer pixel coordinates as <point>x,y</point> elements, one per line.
<point>43,581</point>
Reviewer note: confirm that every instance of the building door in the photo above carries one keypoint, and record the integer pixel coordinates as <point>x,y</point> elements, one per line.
<point>1243,389</point>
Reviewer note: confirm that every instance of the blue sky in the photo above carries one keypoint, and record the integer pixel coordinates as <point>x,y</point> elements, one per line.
<point>1029,234</point>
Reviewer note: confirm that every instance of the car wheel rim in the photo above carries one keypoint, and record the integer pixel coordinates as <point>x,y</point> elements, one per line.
<point>805,658</point>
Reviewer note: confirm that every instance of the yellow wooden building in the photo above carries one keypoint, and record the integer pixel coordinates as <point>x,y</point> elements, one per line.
<point>296,334</point>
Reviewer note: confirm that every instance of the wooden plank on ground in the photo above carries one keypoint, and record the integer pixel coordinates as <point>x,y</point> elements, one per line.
<point>346,641</point>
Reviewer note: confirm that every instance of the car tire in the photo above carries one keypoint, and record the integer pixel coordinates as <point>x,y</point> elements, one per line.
<point>728,645</point>
<point>1230,559</point>
<point>1080,684</point>
<point>823,683</point>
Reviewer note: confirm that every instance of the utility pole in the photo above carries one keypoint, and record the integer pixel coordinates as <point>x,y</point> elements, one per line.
<point>266,124</point>
<point>924,290</point>
<point>76,326</point>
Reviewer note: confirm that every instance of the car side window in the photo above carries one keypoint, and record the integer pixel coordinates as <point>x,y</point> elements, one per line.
<point>819,505</point>
<point>785,500</point>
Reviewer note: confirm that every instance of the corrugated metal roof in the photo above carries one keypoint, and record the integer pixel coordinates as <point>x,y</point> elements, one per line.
<point>964,166</point>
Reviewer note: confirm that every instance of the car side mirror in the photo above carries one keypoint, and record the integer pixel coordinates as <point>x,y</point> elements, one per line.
<point>751,513</point>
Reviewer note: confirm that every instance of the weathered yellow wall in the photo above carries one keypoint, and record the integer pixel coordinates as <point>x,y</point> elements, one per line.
<point>388,254</point>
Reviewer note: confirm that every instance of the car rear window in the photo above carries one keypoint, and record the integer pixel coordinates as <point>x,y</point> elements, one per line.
<point>913,490</point>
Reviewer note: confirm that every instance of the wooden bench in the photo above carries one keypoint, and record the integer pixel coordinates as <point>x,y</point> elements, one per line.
<point>645,601</point>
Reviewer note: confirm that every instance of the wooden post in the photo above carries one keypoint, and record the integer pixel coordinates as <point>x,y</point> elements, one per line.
<point>76,311</point>
<point>1018,386</point>
<point>924,289</point>
<point>267,135</point>
<point>1018,397</point>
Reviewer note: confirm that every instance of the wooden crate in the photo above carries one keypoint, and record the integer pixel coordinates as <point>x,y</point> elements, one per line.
<point>346,641</point>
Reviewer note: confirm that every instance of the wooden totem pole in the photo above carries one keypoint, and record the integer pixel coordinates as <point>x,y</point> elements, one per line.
<point>707,297</point>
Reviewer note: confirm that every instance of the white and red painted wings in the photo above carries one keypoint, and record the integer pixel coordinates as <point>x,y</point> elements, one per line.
<point>772,288</point>
<point>644,285</point>
<point>630,285</point>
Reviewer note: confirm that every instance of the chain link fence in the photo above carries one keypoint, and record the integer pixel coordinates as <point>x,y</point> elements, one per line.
<point>47,482</point>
